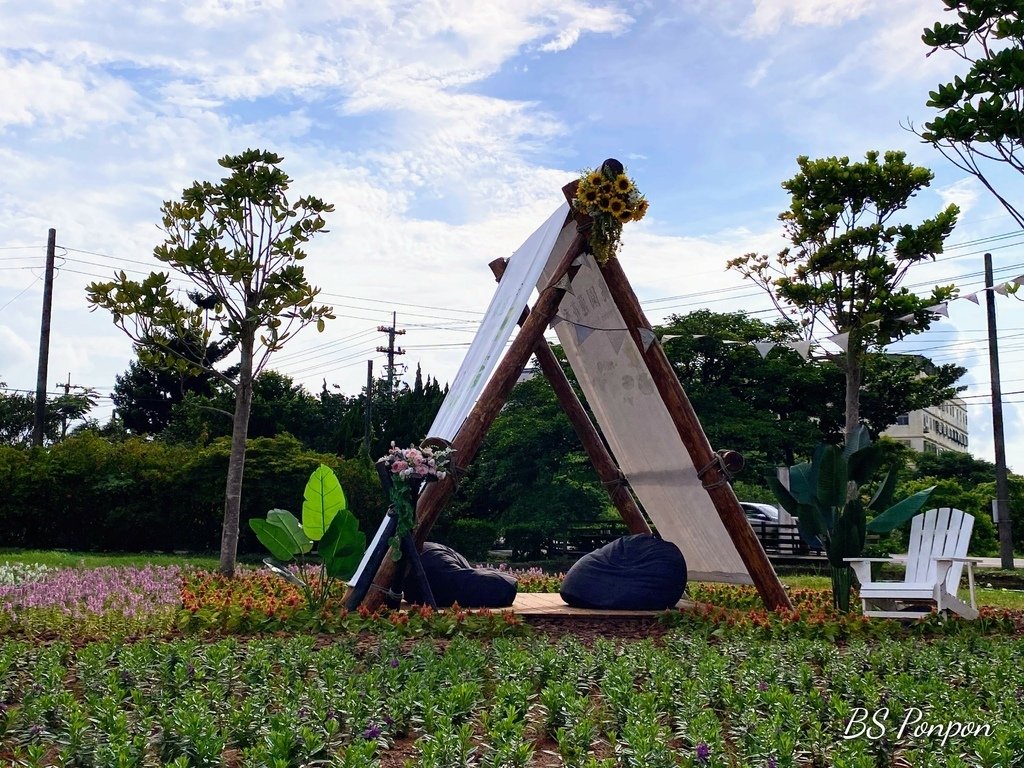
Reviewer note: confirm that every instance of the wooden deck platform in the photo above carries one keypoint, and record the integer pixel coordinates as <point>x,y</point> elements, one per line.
<point>551,604</point>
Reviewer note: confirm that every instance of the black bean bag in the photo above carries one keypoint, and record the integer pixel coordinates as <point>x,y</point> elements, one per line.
<point>453,580</point>
<point>634,573</point>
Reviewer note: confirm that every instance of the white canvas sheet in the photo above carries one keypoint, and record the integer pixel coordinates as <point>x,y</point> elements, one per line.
<point>639,430</point>
<point>509,300</point>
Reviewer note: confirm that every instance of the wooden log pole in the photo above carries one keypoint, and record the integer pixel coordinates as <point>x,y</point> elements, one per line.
<point>605,466</point>
<point>696,442</point>
<point>471,434</point>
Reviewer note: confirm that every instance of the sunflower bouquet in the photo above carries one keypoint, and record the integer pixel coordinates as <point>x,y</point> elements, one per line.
<point>611,199</point>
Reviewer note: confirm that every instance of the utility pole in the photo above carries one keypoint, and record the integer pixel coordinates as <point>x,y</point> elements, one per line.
<point>368,411</point>
<point>391,350</point>
<point>1002,501</point>
<point>44,341</point>
<point>64,416</point>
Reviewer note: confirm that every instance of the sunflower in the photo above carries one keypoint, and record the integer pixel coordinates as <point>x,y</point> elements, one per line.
<point>616,206</point>
<point>625,215</point>
<point>622,183</point>
<point>603,202</point>
<point>595,178</point>
<point>640,210</point>
<point>588,196</point>
<point>606,188</point>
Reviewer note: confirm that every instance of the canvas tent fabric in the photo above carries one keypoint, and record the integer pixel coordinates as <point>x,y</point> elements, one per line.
<point>636,424</point>
<point>639,429</point>
<point>502,314</point>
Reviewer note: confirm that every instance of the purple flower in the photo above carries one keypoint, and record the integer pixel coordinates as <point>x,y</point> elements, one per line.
<point>772,763</point>
<point>762,686</point>
<point>35,731</point>
<point>394,663</point>
<point>372,732</point>
<point>703,753</point>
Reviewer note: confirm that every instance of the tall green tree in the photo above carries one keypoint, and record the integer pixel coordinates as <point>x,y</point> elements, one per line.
<point>981,120</point>
<point>239,242</point>
<point>145,394</point>
<point>847,256</point>
<point>18,410</point>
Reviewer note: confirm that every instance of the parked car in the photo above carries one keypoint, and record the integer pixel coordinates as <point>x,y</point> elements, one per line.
<point>764,519</point>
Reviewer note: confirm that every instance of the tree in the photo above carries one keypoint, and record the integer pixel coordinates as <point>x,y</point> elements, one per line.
<point>239,242</point>
<point>17,414</point>
<point>982,114</point>
<point>145,394</point>
<point>847,258</point>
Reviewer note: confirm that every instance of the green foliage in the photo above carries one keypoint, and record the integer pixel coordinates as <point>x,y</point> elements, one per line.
<point>240,243</point>
<point>848,256</point>
<point>18,413</point>
<point>327,520</point>
<point>472,538</point>
<point>531,472</point>
<point>981,113</point>
<point>88,493</point>
<point>825,495</point>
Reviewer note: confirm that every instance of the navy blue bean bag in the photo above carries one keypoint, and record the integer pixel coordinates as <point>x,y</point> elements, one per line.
<point>634,573</point>
<point>453,580</point>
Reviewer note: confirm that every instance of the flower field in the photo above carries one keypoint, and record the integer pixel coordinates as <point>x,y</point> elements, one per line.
<point>177,666</point>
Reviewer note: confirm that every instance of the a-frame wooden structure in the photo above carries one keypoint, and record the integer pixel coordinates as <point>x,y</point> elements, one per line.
<point>530,341</point>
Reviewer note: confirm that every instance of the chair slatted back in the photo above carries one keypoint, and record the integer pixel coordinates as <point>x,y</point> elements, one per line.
<point>944,532</point>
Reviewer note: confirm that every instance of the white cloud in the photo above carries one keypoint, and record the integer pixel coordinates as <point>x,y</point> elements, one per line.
<point>963,193</point>
<point>770,16</point>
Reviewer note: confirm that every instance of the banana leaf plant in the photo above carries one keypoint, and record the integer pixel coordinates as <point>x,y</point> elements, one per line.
<point>326,522</point>
<point>826,497</point>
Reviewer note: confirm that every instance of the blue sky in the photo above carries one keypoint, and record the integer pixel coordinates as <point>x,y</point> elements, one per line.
<point>443,133</point>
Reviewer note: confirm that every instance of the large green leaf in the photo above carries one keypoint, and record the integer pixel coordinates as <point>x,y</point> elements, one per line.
<point>281,570</point>
<point>859,439</point>
<point>322,500</point>
<point>883,496</point>
<point>831,465</point>
<point>342,546</point>
<point>847,538</point>
<point>274,538</point>
<point>811,522</point>
<point>288,523</point>
<point>786,499</point>
<point>863,464</point>
<point>802,483</point>
<point>898,514</point>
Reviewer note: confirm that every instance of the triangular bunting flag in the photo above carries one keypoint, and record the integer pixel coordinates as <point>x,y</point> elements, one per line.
<point>841,340</point>
<point>565,284</point>
<point>582,333</point>
<point>802,348</point>
<point>670,336</point>
<point>647,337</point>
<point>616,338</point>
<point>906,318</point>
<point>1019,280</point>
<point>874,322</point>
<point>700,335</point>
<point>730,341</point>
<point>972,297</point>
<point>940,309</point>
<point>764,347</point>
<point>1001,289</point>
<point>579,261</point>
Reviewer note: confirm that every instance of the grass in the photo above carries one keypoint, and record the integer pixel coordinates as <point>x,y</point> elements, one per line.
<point>65,559</point>
<point>993,598</point>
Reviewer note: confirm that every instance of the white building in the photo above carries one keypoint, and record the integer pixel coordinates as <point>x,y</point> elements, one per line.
<point>933,430</point>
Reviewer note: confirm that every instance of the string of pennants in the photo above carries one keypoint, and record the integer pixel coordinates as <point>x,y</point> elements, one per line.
<point>803,348</point>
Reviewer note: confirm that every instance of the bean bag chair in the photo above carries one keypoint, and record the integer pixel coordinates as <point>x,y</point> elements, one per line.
<point>634,573</point>
<point>453,580</point>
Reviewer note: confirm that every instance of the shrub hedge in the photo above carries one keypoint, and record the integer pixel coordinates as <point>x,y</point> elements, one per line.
<point>88,493</point>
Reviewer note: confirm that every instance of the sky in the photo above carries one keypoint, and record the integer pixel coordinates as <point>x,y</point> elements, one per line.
<point>443,133</point>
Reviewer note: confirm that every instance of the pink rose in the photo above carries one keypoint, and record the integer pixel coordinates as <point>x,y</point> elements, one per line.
<point>399,466</point>
<point>422,470</point>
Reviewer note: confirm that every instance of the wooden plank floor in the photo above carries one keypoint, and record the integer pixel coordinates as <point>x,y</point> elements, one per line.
<point>551,604</point>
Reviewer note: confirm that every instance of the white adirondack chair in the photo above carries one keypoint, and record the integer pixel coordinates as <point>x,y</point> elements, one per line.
<point>934,563</point>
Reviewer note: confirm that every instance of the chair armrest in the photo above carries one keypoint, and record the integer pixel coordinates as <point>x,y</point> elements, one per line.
<point>867,559</point>
<point>968,560</point>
